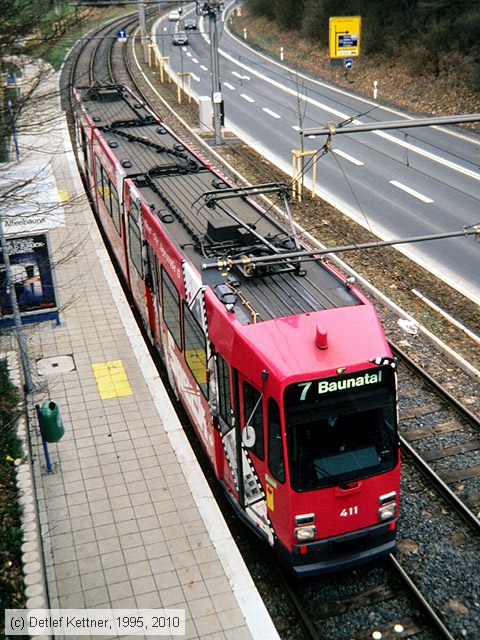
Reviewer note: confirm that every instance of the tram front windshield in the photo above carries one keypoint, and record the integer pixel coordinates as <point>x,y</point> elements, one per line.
<point>340,431</point>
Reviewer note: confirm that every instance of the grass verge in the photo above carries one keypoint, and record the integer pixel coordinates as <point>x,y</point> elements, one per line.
<point>11,575</point>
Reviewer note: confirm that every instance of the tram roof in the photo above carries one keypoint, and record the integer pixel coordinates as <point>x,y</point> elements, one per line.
<point>173,181</point>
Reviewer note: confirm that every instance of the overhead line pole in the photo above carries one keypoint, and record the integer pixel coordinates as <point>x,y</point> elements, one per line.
<point>280,257</point>
<point>212,9</point>
<point>143,28</point>
<point>331,129</point>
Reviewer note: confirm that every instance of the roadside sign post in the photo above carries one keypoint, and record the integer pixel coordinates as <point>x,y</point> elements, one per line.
<point>344,37</point>
<point>344,41</point>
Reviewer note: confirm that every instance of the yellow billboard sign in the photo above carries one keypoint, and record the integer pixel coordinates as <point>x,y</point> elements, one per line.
<point>344,37</point>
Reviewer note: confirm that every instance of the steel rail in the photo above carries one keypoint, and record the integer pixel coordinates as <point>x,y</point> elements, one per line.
<point>446,395</point>
<point>467,514</point>
<point>413,589</point>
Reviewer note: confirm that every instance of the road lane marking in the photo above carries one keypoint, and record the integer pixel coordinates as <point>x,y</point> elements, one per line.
<point>203,67</point>
<point>194,60</point>
<point>271,113</point>
<point>247,98</point>
<point>372,103</point>
<point>412,192</point>
<point>428,154</point>
<point>295,127</point>
<point>348,157</point>
<point>229,86</point>
<point>343,116</point>
<point>240,76</point>
<point>195,77</point>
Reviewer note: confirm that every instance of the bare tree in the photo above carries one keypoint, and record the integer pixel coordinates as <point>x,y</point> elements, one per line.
<point>28,31</point>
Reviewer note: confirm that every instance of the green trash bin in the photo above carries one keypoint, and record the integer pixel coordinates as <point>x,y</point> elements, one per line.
<point>51,425</point>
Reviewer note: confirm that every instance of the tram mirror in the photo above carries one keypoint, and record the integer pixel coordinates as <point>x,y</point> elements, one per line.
<point>249,436</point>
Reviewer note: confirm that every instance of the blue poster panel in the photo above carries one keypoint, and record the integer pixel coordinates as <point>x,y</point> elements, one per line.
<point>32,276</point>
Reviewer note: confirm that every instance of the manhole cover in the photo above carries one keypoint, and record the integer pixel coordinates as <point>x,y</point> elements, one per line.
<point>55,365</point>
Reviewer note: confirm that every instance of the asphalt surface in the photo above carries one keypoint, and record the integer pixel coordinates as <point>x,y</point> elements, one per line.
<point>397,183</point>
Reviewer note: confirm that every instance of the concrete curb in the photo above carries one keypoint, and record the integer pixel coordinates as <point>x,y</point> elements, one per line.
<point>36,593</point>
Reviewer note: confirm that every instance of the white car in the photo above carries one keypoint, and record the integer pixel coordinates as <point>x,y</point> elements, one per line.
<point>180,37</point>
<point>174,15</point>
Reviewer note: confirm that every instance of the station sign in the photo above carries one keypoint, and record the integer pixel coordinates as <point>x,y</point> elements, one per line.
<point>344,36</point>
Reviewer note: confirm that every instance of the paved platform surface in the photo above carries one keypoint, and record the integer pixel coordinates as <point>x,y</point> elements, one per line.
<point>127,519</point>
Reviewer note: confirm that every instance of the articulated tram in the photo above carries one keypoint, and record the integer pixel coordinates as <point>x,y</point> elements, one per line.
<point>281,364</point>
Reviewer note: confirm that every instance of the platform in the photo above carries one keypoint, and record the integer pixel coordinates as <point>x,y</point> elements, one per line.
<point>127,519</point>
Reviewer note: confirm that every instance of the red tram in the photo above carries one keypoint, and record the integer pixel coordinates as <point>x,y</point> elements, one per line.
<point>282,366</point>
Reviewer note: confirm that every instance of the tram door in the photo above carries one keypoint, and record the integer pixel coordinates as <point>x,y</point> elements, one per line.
<point>157,303</point>
<point>228,421</point>
<point>239,403</point>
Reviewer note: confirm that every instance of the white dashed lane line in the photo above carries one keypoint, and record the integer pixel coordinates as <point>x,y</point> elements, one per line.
<point>203,67</point>
<point>412,192</point>
<point>240,76</point>
<point>348,157</point>
<point>229,86</point>
<point>271,113</point>
<point>247,98</point>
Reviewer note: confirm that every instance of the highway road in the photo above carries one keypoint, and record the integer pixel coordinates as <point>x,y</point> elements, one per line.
<point>397,183</point>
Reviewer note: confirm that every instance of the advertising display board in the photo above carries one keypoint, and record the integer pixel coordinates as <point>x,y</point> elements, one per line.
<point>31,267</point>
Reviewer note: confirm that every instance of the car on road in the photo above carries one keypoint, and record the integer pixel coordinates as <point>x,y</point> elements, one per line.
<point>180,37</point>
<point>174,15</point>
<point>190,24</point>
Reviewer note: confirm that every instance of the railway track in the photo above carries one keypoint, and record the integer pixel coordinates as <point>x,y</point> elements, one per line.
<point>442,436</point>
<point>386,599</point>
<point>439,436</point>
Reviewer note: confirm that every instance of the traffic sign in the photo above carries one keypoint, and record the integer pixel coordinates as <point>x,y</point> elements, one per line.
<point>122,36</point>
<point>348,62</point>
<point>344,37</point>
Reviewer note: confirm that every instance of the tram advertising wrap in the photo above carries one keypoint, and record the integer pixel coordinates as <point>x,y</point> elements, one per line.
<point>280,363</point>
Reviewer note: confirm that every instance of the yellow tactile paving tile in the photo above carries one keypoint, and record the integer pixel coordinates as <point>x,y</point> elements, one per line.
<point>111,379</point>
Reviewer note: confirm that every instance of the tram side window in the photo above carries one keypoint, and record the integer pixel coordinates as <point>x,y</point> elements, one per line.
<point>171,308</point>
<point>115,208</point>
<point>275,446</point>
<point>135,244</point>
<point>253,412</point>
<point>224,396</point>
<point>98,175</point>
<point>108,193</point>
<point>195,349</point>
<point>84,143</point>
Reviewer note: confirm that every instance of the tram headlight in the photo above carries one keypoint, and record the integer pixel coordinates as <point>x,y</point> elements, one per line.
<point>387,512</point>
<point>305,533</point>
<point>388,506</point>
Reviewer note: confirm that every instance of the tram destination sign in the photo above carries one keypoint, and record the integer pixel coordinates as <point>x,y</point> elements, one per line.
<point>309,391</point>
